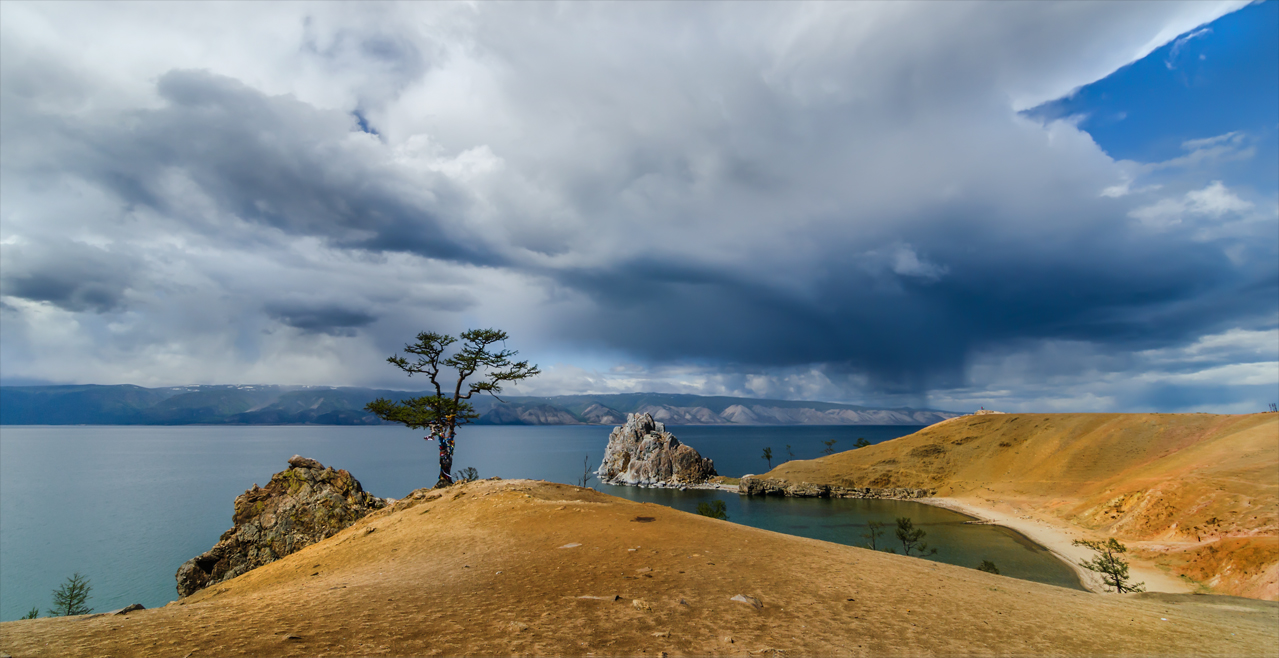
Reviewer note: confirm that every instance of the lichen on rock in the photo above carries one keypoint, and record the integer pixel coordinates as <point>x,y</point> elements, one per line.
<point>642,452</point>
<point>298,507</point>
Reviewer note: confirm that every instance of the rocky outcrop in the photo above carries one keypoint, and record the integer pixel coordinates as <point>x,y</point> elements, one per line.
<point>753,486</point>
<point>642,452</point>
<point>298,507</point>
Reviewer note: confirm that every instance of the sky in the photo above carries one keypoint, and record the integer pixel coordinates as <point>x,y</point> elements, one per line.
<point>1024,206</point>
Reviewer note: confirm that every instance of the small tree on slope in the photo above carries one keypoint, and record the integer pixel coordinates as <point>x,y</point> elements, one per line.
<point>912,538</point>
<point>441,413</point>
<point>70,598</point>
<point>1113,569</point>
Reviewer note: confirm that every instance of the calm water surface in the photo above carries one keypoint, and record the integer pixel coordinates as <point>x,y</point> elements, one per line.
<point>127,505</point>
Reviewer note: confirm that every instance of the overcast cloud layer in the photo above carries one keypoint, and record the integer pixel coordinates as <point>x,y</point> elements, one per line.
<point>828,201</point>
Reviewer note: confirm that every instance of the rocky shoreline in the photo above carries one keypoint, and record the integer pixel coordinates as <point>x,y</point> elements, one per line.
<point>753,486</point>
<point>300,506</point>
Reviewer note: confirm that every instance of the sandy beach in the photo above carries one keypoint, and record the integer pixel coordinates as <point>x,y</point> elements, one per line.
<point>1057,537</point>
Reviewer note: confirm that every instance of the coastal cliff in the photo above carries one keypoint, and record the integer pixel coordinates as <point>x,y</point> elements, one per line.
<point>298,507</point>
<point>642,452</point>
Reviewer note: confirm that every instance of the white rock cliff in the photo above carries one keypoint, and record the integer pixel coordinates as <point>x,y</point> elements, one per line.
<point>642,452</point>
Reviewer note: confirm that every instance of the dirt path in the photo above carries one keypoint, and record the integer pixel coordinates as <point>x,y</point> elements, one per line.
<point>1057,537</point>
<point>533,568</point>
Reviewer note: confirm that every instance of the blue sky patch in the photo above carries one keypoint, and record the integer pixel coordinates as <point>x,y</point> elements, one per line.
<point>1219,78</point>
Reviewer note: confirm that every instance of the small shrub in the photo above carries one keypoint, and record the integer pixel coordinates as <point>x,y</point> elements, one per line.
<point>70,598</point>
<point>716,509</point>
<point>927,451</point>
<point>912,537</point>
<point>587,474</point>
<point>32,613</point>
<point>468,474</point>
<point>874,532</point>
<point>988,567</point>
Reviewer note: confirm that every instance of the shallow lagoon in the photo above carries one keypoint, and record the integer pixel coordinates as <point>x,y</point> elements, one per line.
<point>126,505</point>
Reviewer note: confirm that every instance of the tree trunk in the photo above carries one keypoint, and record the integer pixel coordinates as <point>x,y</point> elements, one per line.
<point>446,458</point>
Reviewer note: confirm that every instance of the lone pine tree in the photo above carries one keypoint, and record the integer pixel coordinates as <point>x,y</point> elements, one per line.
<point>441,413</point>
<point>70,598</point>
<point>1113,569</point>
<point>912,537</point>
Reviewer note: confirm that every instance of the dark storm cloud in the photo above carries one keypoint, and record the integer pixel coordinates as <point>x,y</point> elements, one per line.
<point>1114,287</point>
<point>840,198</point>
<point>268,160</point>
<point>331,320</point>
<point>70,275</point>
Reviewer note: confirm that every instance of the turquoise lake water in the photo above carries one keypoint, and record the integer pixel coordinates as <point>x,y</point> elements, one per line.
<point>127,505</point>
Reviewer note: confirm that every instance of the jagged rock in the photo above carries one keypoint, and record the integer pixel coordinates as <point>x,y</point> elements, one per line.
<point>753,486</point>
<point>298,507</point>
<point>748,600</point>
<point>298,461</point>
<point>130,608</point>
<point>642,452</point>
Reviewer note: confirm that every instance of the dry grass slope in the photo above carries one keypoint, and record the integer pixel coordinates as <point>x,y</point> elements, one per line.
<point>500,568</point>
<point>1198,492</point>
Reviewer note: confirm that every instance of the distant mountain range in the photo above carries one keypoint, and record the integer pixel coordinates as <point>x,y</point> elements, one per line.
<point>325,405</point>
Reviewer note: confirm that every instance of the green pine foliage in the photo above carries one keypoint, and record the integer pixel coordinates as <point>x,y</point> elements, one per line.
<point>70,598</point>
<point>1108,563</point>
<point>912,538</point>
<point>478,359</point>
<point>716,509</point>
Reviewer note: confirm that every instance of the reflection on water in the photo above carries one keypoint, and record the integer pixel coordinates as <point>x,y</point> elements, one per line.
<point>127,505</point>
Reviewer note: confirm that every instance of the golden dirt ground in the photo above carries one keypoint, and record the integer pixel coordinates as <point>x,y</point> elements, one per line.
<point>500,568</point>
<point>1195,495</point>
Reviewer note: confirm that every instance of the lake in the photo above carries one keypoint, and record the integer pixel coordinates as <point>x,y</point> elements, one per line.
<point>127,505</point>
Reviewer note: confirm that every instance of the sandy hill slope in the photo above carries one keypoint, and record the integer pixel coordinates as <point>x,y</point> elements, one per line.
<point>523,567</point>
<point>1198,493</point>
